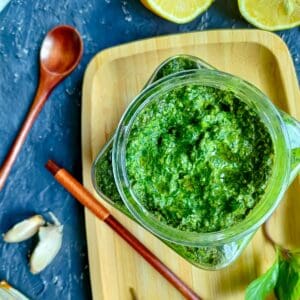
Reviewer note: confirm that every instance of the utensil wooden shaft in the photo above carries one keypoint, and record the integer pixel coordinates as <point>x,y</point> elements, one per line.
<point>88,200</point>
<point>38,103</point>
<point>60,53</point>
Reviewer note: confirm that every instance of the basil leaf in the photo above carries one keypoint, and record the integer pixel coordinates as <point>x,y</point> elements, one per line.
<point>261,287</point>
<point>288,284</point>
<point>295,259</point>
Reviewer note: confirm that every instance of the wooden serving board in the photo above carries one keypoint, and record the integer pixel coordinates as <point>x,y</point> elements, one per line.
<point>111,81</point>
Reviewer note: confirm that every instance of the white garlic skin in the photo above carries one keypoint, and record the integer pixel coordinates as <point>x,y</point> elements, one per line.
<point>24,229</point>
<point>47,248</point>
<point>8,292</point>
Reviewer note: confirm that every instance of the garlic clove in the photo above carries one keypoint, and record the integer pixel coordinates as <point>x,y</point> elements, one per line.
<point>7,292</point>
<point>47,248</point>
<point>24,229</point>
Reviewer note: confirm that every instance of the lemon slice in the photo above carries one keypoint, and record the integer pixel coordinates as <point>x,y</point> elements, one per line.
<point>178,11</point>
<point>271,14</point>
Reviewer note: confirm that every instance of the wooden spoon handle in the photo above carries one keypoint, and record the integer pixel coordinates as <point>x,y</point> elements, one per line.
<point>39,100</point>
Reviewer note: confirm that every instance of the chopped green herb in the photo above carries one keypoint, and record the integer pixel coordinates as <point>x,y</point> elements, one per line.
<point>176,65</point>
<point>105,179</point>
<point>210,256</point>
<point>199,158</point>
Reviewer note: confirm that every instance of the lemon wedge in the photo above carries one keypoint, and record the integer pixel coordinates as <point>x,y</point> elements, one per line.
<point>178,11</point>
<point>271,14</point>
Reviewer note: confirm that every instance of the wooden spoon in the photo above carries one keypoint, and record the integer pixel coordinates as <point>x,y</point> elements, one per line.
<point>60,53</point>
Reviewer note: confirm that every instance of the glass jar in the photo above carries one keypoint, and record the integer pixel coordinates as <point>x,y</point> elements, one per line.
<point>213,250</point>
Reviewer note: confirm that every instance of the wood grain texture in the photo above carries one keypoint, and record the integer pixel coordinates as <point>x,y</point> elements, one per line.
<point>113,78</point>
<point>60,53</point>
<point>81,194</point>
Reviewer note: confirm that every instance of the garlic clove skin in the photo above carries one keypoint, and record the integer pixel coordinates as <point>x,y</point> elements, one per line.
<point>7,292</point>
<point>54,219</point>
<point>24,229</point>
<point>47,248</point>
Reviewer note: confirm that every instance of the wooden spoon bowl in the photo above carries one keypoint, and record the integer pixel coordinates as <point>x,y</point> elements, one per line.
<point>60,53</point>
<point>61,50</point>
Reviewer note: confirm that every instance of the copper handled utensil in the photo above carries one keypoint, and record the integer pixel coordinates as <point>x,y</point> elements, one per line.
<point>60,53</point>
<point>87,199</point>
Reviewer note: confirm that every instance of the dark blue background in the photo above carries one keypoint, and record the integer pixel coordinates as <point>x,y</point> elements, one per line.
<point>56,134</point>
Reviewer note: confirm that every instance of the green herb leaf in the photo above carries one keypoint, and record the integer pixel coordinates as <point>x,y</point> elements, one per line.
<point>288,283</point>
<point>261,287</point>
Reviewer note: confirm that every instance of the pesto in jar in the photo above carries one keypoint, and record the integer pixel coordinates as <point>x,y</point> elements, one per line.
<point>202,256</point>
<point>175,65</point>
<point>198,158</point>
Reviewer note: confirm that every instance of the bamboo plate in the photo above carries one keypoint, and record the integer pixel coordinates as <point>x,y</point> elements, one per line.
<point>112,79</point>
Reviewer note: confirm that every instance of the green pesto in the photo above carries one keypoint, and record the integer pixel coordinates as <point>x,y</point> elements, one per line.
<point>199,158</point>
<point>105,183</point>
<point>176,65</point>
<point>103,169</point>
<point>105,179</point>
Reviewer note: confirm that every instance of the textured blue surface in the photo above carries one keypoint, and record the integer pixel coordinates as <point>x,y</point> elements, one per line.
<point>56,134</point>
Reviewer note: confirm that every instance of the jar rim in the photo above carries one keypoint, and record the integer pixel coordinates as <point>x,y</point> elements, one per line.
<point>269,115</point>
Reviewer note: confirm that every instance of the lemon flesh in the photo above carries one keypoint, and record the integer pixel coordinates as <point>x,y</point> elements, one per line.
<point>178,11</point>
<point>271,14</point>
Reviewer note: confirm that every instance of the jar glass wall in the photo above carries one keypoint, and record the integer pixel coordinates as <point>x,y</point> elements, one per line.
<point>206,250</point>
